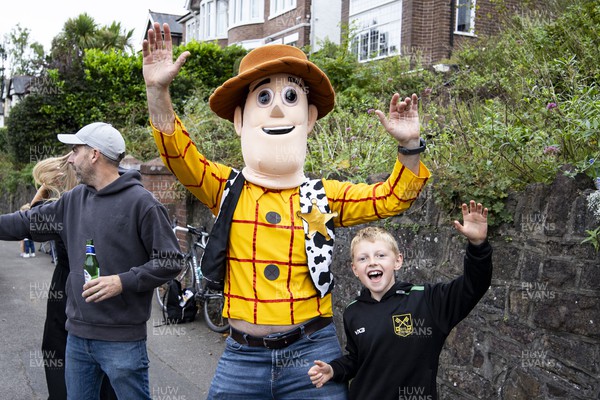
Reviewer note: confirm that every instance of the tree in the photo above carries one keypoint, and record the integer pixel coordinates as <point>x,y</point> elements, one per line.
<point>113,37</point>
<point>24,58</point>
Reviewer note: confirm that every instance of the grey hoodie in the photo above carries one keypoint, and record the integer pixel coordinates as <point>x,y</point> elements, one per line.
<point>132,238</point>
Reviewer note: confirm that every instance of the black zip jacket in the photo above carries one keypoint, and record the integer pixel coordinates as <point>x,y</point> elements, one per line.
<point>394,345</point>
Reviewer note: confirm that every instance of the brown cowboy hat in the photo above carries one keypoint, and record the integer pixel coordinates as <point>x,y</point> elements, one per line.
<point>268,60</point>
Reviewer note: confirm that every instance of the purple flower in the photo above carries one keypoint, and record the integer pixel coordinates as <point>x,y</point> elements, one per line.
<point>550,106</point>
<point>348,129</point>
<point>427,92</point>
<point>554,149</point>
<point>370,111</point>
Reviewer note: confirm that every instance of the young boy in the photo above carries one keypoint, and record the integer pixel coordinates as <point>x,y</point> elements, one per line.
<point>395,331</point>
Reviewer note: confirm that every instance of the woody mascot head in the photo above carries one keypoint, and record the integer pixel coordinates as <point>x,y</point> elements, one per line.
<point>274,102</point>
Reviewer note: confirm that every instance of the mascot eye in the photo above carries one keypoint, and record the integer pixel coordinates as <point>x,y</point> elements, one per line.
<point>289,96</point>
<point>264,97</point>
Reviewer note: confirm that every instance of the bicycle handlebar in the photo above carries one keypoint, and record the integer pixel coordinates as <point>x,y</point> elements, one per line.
<point>200,232</point>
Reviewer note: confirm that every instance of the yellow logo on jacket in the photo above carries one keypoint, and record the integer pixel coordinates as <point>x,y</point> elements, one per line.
<point>403,324</point>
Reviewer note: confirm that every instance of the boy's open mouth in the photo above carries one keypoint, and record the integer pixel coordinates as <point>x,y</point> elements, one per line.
<point>375,274</point>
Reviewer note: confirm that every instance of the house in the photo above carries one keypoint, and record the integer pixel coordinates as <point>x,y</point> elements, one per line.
<point>176,27</point>
<point>14,90</point>
<point>253,23</point>
<point>428,29</point>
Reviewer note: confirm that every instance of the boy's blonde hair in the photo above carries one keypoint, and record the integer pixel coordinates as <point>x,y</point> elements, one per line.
<point>56,175</point>
<point>372,234</point>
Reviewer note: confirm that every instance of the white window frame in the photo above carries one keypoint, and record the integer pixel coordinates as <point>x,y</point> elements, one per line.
<point>472,9</point>
<point>245,12</point>
<point>376,37</point>
<point>278,7</point>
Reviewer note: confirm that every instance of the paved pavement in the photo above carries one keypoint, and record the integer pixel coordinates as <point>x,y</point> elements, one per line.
<point>183,358</point>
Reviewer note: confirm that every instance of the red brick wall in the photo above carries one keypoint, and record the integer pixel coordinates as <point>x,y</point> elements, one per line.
<point>158,180</point>
<point>245,32</point>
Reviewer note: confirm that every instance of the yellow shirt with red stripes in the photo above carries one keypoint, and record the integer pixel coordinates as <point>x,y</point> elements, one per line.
<point>267,279</point>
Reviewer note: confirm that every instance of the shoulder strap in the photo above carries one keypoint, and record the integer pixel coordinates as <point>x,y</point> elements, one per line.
<point>215,253</point>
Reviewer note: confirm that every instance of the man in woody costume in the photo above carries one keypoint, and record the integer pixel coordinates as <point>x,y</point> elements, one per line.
<point>277,224</point>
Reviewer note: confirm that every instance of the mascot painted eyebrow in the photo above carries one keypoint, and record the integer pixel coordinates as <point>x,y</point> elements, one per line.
<point>271,246</point>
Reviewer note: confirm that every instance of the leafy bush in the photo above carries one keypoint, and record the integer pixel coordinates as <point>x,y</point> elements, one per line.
<point>522,104</point>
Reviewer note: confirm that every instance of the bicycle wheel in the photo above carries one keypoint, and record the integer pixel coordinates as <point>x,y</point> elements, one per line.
<point>187,279</point>
<point>213,310</point>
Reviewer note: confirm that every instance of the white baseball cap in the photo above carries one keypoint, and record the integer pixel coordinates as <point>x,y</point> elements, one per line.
<point>98,135</point>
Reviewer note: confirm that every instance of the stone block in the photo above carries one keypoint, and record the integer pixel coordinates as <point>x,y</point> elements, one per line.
<point>590,275</point>
<point>530,265</point>
<point>581,354</point>
<point>506,261</point>
<point>558,274</point>
<point>518,306</point>
<point>520,384</point>
<point>568,312</point>
<point>467,382</point>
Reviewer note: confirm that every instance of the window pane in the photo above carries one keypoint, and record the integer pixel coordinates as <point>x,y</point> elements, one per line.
<point>463,15</point>
<point>378,29</point>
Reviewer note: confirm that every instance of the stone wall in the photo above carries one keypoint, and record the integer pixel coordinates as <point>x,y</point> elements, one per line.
<point>535,333</point>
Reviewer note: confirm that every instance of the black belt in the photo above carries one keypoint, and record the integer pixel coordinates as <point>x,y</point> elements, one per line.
<point>281,340</point>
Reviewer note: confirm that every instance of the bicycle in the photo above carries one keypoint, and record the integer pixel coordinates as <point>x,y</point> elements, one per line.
<point>209,300</point>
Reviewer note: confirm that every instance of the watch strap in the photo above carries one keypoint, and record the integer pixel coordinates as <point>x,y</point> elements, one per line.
<point>417,150</point>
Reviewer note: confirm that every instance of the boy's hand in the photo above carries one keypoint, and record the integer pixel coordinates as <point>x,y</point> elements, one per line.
<point>320,373</point>
<point>475,223</point>
<point>158,67</point>
<point>403,123</point>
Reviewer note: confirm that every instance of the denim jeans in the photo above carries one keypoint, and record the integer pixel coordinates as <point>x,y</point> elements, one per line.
<point>125,364</point>
<point>248,373</point>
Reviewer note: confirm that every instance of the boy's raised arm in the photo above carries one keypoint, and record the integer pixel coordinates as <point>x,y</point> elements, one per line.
<point>475,223</point>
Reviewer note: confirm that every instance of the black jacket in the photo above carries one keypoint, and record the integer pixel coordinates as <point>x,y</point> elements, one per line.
<point>394,345</point>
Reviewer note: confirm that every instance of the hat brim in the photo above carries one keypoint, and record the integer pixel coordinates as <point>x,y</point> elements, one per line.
<point>69,138</point>
<point>233,92</point>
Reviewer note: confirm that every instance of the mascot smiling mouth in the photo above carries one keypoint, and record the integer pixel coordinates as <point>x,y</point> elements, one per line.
<point>278,130</point>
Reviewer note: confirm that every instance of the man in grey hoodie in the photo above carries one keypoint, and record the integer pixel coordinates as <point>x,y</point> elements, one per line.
<point>136,251</point>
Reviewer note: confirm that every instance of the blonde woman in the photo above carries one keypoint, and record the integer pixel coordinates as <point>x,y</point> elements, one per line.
<point>53,176</point>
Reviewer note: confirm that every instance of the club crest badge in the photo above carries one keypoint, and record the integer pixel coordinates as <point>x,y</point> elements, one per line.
<point>403,324</point>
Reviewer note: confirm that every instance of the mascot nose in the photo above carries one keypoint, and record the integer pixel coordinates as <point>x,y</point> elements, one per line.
<point>276,112</point>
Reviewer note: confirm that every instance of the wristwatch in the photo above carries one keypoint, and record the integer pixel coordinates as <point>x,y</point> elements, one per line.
<point>410,152</point>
